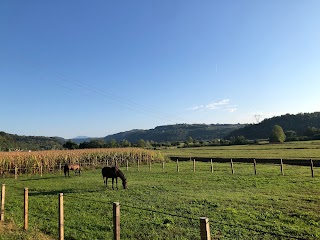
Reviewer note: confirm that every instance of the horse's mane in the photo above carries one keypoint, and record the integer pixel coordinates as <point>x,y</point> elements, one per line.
<point>121,175</point>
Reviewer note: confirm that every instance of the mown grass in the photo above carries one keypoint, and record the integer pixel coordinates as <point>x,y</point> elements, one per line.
<point>288,150</point>
<point>168,204</point>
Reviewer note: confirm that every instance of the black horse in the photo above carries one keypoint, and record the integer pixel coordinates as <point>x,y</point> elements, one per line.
<point>114,173</point>
<point>67,167</point>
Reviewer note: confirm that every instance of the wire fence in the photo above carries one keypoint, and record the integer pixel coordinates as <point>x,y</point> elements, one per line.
<point>193,218</point>
<point>39,170</point>
<point>72,197</point>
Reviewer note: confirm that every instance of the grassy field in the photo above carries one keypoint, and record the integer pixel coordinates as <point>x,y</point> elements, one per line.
<point>290,150</point>
<point>167,205</point>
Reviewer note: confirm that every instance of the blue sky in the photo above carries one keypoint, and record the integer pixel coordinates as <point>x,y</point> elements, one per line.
<point>94,68</point>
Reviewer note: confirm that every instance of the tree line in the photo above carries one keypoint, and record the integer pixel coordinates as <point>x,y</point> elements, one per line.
<point>288,127</point>
<point>276,136</point>
<point>302,126</point>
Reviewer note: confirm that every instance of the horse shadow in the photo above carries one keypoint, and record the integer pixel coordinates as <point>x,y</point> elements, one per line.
<point>37,179</point>
<point>52,193</point>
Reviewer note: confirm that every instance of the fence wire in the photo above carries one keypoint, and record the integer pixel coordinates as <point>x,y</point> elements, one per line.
<point>160,212</point>
<point>70,195</point>
<point>192,218</point>
<point>261,231</point>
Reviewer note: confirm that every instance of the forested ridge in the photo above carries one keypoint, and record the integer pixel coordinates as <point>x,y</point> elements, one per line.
<point>177,132</point>
<point>302,126</point>
<point>11,142</point>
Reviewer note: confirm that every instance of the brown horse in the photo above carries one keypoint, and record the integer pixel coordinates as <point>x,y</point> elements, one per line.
<point>67,167</point>
<point>114,173</point>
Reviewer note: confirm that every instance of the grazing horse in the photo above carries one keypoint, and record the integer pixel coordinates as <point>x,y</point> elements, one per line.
<point>114,173</point>
<point>75,167</point>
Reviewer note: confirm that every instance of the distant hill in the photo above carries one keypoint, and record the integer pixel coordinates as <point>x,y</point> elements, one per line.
<point>300,126</point>
<point>81,139</point>
<point>295,124</point>
<point>9,142</point>
<point>171,133</point>
<point>177,132</point>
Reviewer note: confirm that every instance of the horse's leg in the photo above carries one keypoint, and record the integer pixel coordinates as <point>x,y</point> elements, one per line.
<point>112,183</point>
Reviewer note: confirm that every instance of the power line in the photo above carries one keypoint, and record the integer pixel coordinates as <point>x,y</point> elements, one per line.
<point>109,96</point>
<point>126,103</point>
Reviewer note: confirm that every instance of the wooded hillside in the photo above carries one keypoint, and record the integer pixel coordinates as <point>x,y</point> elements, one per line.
<point>177,132</point>
<point>9,142</point>
<point>295,127</point>
<point>303,126</point>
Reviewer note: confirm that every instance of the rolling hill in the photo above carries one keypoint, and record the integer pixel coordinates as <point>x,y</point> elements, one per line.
<point>177,132</point>
<point>293,124</point>
<point>16,142</point>
<point>302,126</point>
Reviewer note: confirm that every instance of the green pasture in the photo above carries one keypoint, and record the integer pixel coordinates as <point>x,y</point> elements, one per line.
<point>290,150</point>
<point>166,204</point>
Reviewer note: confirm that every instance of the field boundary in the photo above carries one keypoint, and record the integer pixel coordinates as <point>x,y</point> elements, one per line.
<point>204,222</point>
<point>297,162</point>
<point>15,172</point>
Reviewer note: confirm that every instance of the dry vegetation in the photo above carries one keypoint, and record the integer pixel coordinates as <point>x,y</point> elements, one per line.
<point>30,162</point>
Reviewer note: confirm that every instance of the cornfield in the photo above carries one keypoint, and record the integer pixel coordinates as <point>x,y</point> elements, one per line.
<point>47,161</point>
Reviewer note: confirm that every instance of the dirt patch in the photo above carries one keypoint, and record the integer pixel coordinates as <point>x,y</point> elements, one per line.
<point>8,230</point>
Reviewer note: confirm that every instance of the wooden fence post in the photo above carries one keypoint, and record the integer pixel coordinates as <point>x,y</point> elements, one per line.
<point>150,165</point>
<point>231,163</point>
<point>60,168</point>
<point>211,166</point>
<point>116,221</point>
<point>138,164</point>
<point>282,170</point>
<point>194,165</point>
<point>61,217</point>
<point>204,229</point>
<point>41,167</point>
<point>3,196</point>
<point>311,166</point>
<point>162,166</point>
<point>127,165</point>
<point>15,172</point>
<point>177,165</point>
<point>26,207</point>
<point>255,166</point>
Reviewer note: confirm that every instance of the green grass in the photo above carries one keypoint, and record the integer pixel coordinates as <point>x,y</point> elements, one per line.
<point>167,205</point>
<point>289,150</point>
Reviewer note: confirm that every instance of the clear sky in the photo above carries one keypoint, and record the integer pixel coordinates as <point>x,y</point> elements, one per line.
<point>93,68</point>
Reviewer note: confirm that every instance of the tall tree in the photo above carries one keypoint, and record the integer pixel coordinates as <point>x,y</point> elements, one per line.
<point>71,145</point>
<point>141,143</point>
<point>277,134</point>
